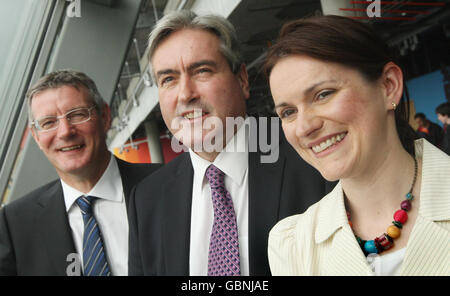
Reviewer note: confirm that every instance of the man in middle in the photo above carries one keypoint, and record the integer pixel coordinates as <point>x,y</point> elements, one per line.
<point>209,211</point>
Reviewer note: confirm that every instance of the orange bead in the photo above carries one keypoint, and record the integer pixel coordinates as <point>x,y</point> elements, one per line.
<point>393,231</point>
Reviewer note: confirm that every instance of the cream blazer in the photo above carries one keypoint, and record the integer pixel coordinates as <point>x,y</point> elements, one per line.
<point>320,241</point>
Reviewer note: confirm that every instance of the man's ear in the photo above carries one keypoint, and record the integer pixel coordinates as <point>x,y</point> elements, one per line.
<point>242,76</point>
<point>35,136</point>
<point>106,117</point>
<point>392,82</point>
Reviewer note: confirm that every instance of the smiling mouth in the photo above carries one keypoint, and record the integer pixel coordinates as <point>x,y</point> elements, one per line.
<point>194,114</point>
<point>71,148</point>
<point>328,143</point>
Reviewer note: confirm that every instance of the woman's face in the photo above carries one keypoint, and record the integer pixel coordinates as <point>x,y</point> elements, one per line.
<point>333,117</point>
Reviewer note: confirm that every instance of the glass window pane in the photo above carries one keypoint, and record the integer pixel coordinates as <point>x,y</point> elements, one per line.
<point>22,25</point>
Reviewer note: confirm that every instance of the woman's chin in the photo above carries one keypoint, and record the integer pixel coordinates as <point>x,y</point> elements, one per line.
<point>330,174</point>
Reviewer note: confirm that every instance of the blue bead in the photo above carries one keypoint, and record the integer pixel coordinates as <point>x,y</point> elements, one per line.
<point>409,196</point>
<point>370,248</point>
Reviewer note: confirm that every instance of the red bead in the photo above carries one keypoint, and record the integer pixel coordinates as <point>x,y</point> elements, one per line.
<point>405,205</point>
<point>384,242</point>
<point>401,216</point>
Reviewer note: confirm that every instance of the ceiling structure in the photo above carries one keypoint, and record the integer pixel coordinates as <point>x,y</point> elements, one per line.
<point>419,30</point>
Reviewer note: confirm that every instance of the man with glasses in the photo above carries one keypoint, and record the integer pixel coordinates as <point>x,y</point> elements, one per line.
<point>77,224</point>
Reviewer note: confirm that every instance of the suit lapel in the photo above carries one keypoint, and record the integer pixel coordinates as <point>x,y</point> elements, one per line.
<point>177,224</point>
<point>264,192</point>
<point>55,229</point>
<point>127,176</point>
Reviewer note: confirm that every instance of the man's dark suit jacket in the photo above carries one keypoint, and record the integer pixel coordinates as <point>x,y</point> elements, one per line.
<point>35,235</point>
<point>160,210</point>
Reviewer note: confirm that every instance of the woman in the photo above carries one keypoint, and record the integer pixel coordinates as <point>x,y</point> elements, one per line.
<point>338,94</point>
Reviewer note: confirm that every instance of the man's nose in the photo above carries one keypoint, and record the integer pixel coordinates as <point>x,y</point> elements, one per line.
<point>187,90</point>
<point>65,128</point>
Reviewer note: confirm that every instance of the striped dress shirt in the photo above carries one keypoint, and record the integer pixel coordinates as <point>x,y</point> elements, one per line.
<point>320,241</point>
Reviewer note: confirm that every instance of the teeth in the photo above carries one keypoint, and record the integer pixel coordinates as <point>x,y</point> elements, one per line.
<point>329,142</point>
<point>71,148</point>
<point>194,114</point>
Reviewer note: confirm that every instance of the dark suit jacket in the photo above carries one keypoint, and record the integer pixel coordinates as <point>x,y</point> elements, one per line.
<point>160,210</point>
<point>35,236</point>
<point>446,140</point>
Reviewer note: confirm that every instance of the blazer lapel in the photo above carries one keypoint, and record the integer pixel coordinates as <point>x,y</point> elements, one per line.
<point>55,229</point>
<point>264,192</point>
<point>427,252</point>
<point>177,224</point>
<point>345,257</point>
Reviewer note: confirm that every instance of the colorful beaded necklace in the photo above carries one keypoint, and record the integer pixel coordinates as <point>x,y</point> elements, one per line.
<point>386,240</point>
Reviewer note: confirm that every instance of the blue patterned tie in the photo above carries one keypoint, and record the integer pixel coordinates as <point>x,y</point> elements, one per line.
<point>94,255</point>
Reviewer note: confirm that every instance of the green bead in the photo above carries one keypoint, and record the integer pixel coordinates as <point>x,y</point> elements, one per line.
<point>398,224</point>
<point>359,240</point>
<point>409,196</point>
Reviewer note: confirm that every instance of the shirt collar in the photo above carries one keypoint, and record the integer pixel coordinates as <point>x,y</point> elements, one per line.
<point>332,214</point>
<point>109,186</point>
<point>232,160</point>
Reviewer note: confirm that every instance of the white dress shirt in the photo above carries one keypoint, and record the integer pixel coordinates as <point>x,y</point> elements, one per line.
<point>235,167</point>
<point>111,214</point>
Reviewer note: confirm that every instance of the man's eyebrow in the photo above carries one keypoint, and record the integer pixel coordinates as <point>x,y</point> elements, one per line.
<point>190,68</point>
<point>201,63</point>
<point>165,72</point>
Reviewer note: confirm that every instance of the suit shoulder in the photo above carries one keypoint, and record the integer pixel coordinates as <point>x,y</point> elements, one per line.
<point>30,199</point>
<point>154,181</point>
<point>148,167</point>
<point>171,167</point>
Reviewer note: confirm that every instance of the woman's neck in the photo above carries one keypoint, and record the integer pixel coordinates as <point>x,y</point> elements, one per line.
<point>379,190</point>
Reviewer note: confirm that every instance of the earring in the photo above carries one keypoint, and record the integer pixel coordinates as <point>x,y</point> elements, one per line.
<point>394,105</point>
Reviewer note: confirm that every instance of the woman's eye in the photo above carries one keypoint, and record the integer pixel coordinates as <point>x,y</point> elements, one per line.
<point>286,113</point>
<point>324,94</point>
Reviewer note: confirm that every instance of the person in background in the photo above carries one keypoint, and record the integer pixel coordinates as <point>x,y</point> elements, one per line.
<point>183,216</point>
<point>84,211</point>
<point>443,115</point>
<point>339,94</point>
<point>428,130</point>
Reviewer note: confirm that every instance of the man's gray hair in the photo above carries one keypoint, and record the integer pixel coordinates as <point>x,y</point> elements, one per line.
<point>185,19</point>
<point>61,78</point>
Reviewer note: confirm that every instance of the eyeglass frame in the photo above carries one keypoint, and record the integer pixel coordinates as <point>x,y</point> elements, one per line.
<point>36,125</point>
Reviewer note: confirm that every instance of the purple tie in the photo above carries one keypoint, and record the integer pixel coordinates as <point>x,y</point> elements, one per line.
<point>223,258</point>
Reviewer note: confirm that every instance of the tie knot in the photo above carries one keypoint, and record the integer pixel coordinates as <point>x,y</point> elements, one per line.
<point>215,176</point>
<point>85,203</point>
